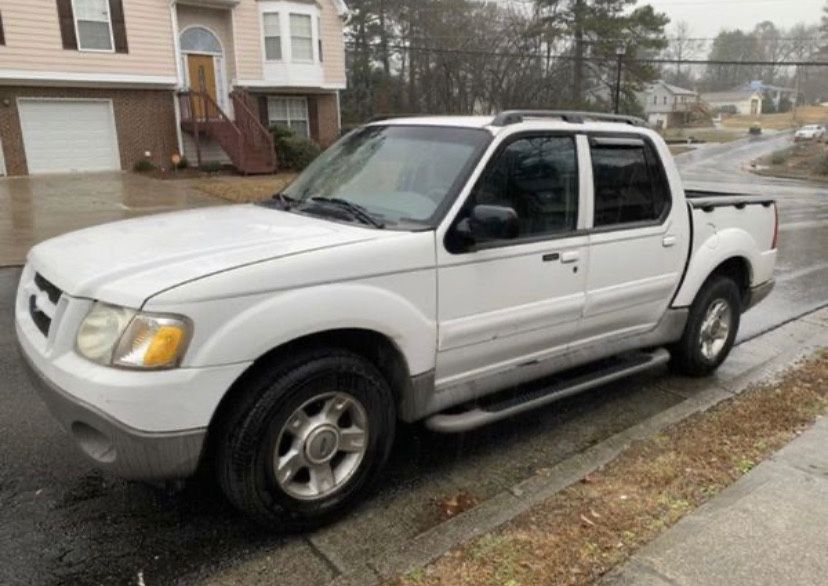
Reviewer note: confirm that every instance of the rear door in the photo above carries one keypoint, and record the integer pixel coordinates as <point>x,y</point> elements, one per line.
<point>507,302</point>
<point>638,239</point>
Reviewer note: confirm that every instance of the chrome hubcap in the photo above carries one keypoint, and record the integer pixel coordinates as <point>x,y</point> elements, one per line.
<point>320,446</point>
<point>715,329</point>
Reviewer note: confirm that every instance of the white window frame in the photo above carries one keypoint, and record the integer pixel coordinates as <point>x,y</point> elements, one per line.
<point>313,37</point>
<point>77,30</point>
<point>270,121</point>
<point>280,15</point>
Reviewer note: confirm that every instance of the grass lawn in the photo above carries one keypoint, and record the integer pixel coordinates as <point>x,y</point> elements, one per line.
<point>584,531</point>
<point>806,160</point>
<point>246,189</point>
<point>804,115</point>
<point>703,134</point>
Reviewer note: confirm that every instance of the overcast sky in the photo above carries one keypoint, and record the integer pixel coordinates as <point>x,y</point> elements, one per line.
<point>707,17</point>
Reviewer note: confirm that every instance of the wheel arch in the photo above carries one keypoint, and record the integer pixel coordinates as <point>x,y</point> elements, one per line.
<point>707,264</point>
<point>377,348</point>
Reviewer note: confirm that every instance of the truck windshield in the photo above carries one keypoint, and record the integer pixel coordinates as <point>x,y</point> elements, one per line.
<point>395,173</point>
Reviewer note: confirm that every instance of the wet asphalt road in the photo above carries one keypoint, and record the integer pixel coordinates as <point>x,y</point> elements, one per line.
<point>61,522</point>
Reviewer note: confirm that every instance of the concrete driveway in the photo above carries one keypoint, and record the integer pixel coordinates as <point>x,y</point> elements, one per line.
<point>33,209</point>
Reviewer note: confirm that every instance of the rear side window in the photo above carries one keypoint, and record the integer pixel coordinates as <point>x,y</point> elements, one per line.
<point>538,177</point>
<point>629,183</point>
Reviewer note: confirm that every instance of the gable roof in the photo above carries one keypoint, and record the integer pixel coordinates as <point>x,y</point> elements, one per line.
<point>673,89</point>
<point>732,95</point>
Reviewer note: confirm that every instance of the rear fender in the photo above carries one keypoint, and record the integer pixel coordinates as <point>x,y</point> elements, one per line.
<point>718,247</point>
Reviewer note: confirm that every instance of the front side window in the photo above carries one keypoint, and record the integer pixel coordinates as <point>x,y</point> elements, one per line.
<point>629,187</point>
<point>301,37</point>
<point>272,36</point>
<point>538,178</point>
<point>93,25</point>
<point>290,113</point>
<point>400,174</point>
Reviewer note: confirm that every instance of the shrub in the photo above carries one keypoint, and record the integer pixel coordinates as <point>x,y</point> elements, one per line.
<point>821,166</point>
<point>211,167</point>
<point>183,163</point>
<point>780,157</point>
<point>294,152</point>
<point>143,166</point>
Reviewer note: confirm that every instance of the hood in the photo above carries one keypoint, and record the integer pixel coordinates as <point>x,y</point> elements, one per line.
<point>127,262</point>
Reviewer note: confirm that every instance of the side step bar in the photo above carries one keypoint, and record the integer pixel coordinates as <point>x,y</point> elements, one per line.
<point>481,414</point>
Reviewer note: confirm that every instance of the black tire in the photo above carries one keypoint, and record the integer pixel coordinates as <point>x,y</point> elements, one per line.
<point>687,355</point>
<point>248,436</point>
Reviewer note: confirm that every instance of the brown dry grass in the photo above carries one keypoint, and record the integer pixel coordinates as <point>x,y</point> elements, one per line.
<point>587,529</point>
<point>804,115</point>
<point>800,161</point>
<point>246,189</point>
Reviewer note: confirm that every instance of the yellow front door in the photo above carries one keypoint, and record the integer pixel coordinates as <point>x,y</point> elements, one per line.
<point>202,79</point>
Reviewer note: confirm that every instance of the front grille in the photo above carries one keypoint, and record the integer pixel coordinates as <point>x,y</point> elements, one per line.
<point>40,318</point>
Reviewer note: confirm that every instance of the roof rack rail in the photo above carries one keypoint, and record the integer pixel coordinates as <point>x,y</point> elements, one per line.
<point>516,116</point>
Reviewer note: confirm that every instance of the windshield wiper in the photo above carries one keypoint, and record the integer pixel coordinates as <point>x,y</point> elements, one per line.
<point>356,210</point>
<point>284,200</point>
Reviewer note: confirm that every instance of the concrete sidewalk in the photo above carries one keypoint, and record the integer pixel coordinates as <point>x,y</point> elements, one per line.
<point>769,528</point>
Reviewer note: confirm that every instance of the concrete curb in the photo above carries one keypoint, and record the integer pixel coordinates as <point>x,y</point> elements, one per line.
<point>507,505</point>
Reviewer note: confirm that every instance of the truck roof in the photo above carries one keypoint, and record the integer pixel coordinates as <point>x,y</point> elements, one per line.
<point>551,119</point>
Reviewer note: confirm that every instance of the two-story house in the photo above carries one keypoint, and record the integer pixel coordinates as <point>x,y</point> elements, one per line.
<point>667,105</point>
<point>94,85</point>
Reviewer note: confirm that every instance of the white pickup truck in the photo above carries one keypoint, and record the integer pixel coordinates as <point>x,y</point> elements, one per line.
<point>420,269</point>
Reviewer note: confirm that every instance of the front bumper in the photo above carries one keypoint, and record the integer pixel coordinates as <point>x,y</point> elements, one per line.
<point>116,447</point>
<point>758,293</point>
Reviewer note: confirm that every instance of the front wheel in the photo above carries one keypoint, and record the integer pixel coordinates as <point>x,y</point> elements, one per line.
<point>307,440</point>
<point>712,324</point>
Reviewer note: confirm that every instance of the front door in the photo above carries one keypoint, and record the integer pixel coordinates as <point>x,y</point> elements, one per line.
<point>508,302</point>
<point>202,75</point>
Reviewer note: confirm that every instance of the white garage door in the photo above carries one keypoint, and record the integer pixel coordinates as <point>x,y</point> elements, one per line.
<point>62,136</point>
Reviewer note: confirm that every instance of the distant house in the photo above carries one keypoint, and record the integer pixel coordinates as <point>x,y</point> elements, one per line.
<point>667,105</point>
<point>774,92</point>
<point>743,101</point>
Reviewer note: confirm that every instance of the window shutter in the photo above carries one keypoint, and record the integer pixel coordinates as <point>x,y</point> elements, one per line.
<point>116,13</point>
<point>66,20</point>
<point>2,34</point>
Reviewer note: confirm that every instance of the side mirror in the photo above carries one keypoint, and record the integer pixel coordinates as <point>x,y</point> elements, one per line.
<point>487,222</point>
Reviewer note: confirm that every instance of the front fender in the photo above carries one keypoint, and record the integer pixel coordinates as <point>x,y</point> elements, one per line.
<point>717,247</point>
<point>245,329</point>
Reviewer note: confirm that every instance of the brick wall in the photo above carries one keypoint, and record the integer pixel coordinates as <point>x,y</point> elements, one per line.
<point>327,118</point>
<point>144,119</point>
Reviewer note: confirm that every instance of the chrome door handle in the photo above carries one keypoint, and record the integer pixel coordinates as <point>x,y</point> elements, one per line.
<point>569,257</point>
<point>668,241</point>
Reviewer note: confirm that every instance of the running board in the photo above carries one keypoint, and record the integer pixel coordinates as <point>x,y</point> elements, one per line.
<point>479,414</point>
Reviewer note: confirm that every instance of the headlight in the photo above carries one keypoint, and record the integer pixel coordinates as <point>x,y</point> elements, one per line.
<point>116,336</point>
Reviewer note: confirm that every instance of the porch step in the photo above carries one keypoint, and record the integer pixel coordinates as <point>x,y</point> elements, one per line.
<point>525,398</point>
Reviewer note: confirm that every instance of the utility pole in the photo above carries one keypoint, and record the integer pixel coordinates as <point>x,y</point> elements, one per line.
<point>578,62</point>
<point>620,51</point>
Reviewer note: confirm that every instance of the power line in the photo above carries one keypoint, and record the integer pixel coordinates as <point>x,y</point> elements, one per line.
<point>567,57</point>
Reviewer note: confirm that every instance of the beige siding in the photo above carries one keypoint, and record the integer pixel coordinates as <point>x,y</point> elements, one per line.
<point>33,41</point>
<point>249,42</point>
<point>217,21</point>
<point>333,44</point>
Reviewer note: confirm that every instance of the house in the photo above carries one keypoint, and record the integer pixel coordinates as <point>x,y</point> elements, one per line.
<point>667,105</point>
<point>775,93</point>
<point>744,101</point>
<point>95,85</point>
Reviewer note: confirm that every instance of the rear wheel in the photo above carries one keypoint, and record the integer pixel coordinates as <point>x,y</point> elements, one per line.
<point>712,324</point>
<point>308,440</point>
